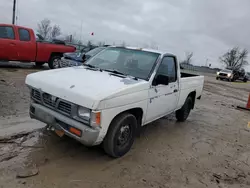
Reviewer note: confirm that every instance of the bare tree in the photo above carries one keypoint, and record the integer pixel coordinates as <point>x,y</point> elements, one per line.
<point>123,44</point>
<point>188,59</point>
<point>235,58</point>
<point>56,31</point>
<point>44,28</point>
<point>89,43</point>
<point>101,43</point>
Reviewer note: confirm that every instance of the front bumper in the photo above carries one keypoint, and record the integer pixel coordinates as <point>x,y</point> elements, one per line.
<point>223,77</point>
<point>58,121</point>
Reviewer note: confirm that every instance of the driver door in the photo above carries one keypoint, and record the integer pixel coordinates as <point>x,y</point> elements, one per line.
<point>163,98</point>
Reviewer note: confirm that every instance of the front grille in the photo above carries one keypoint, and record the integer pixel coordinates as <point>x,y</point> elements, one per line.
<point>49,100</point>
<point>64,107</point>
<point>223,74</point>
<point>52,101</point>
<point>36,95</point>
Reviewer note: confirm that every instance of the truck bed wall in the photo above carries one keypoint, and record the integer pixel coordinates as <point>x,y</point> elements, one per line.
<point>188,85</point>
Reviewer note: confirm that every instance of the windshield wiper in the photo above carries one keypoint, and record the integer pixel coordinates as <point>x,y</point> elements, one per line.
<point>92,67</point>
<point>88,65</point>
<point>115,71</point>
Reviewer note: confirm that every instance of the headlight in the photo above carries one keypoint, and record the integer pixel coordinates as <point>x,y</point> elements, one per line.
<point>93,118</point>
<point>217,73</point>
<point>84,113</point>
<point>229,75</point>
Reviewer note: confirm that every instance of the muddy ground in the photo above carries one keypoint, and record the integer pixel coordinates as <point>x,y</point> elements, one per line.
<point>210,149</point>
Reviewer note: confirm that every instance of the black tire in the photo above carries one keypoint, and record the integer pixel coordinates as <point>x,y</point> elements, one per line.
<point>217,78</point>
<point>113,144</point>
<point>245,80</point>
<point>183,113</point>
<point>39,64</point>
<point>52,61</point>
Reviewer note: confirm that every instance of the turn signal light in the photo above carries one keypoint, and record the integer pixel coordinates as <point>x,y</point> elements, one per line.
<point>75,131</point>
<point>98,118</point>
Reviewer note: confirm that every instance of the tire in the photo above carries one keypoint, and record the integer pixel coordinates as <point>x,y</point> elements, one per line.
<point>39,64</point>
<point>217,78</point>
<point>120,136</point>
<point>183,113</point>
<point>245,80</point>
<point>52,62</point>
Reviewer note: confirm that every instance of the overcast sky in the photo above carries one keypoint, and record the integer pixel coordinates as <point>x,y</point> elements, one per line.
<point>206,27</point>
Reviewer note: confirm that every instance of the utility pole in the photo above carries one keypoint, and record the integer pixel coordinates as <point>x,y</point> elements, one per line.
<point>14,12</point>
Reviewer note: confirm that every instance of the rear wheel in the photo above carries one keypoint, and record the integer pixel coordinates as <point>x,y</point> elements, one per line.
<point>245,80</point>
<point>183,113</point>
<point>54,62</point>
<point>120,136</point>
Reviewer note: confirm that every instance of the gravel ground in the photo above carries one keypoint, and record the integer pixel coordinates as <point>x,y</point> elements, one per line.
<point>210,149</point>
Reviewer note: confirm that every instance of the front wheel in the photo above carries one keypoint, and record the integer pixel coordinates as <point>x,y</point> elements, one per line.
<point>54,62</point>
<point>183,113</point>
<point>120,136</point>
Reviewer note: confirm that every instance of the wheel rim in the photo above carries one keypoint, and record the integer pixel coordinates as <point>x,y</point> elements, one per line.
<point>56,63</point>
<point>124,136</point>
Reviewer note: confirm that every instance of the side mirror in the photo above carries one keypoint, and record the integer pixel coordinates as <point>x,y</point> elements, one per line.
<point>85,57</point>
<point>161,80</point>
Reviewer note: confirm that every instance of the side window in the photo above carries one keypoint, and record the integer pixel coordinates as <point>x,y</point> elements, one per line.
<point>7,32</point>
<point>24,35</point>
<point>168,68</point>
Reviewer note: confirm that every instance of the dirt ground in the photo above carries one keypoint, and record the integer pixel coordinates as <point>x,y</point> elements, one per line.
<point>210,149</point>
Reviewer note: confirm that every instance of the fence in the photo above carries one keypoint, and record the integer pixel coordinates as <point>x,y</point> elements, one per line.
<point>194,68</point>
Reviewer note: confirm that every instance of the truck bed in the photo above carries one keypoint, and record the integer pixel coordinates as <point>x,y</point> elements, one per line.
<point>188,83</point>
<point>185,75</point>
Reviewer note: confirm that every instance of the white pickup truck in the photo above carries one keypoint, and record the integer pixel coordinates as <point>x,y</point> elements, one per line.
<point>112,95</point>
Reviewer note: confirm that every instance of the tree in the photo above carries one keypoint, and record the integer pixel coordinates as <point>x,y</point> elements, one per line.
<point>123,44</point>
<point>235,58</point>
<point>89,44</point>
<point>101,43</point>
<point>188,59</point>
<point>44,28</point>
<point>56,31</point>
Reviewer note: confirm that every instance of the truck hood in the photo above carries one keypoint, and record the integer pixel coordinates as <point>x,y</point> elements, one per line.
<point>83,86</point>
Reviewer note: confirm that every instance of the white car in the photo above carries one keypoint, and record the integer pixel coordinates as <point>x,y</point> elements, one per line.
<point>225,74</point>
<point>111,96</point>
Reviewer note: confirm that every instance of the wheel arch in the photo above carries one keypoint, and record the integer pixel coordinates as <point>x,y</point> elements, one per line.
<point>53,54</point>
<point>193,96</point>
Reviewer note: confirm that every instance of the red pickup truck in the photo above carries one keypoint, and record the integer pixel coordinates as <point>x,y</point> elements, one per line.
<point>19,44</point>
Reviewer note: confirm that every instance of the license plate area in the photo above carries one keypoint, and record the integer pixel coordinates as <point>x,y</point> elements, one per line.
<point>59,133</point>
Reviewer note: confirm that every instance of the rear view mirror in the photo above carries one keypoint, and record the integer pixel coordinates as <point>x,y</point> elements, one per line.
<point>161,80</point>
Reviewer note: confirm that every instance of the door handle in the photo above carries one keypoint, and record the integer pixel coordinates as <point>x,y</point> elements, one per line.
<point>13,44</point>
<point>175,90</point>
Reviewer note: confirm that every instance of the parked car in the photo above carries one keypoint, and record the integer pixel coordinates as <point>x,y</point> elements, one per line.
<point>77,59</point>
<point>232,75</point>
<point>115,93</point>
<point>19,44</point>
<point>248,76</point>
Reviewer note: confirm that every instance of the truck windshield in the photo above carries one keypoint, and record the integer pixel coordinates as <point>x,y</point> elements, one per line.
<point>132,62</point>
<point>226,70</point>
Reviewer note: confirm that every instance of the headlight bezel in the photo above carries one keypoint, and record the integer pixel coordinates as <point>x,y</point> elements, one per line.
<point>87,116</point>
<point>94,118</point>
